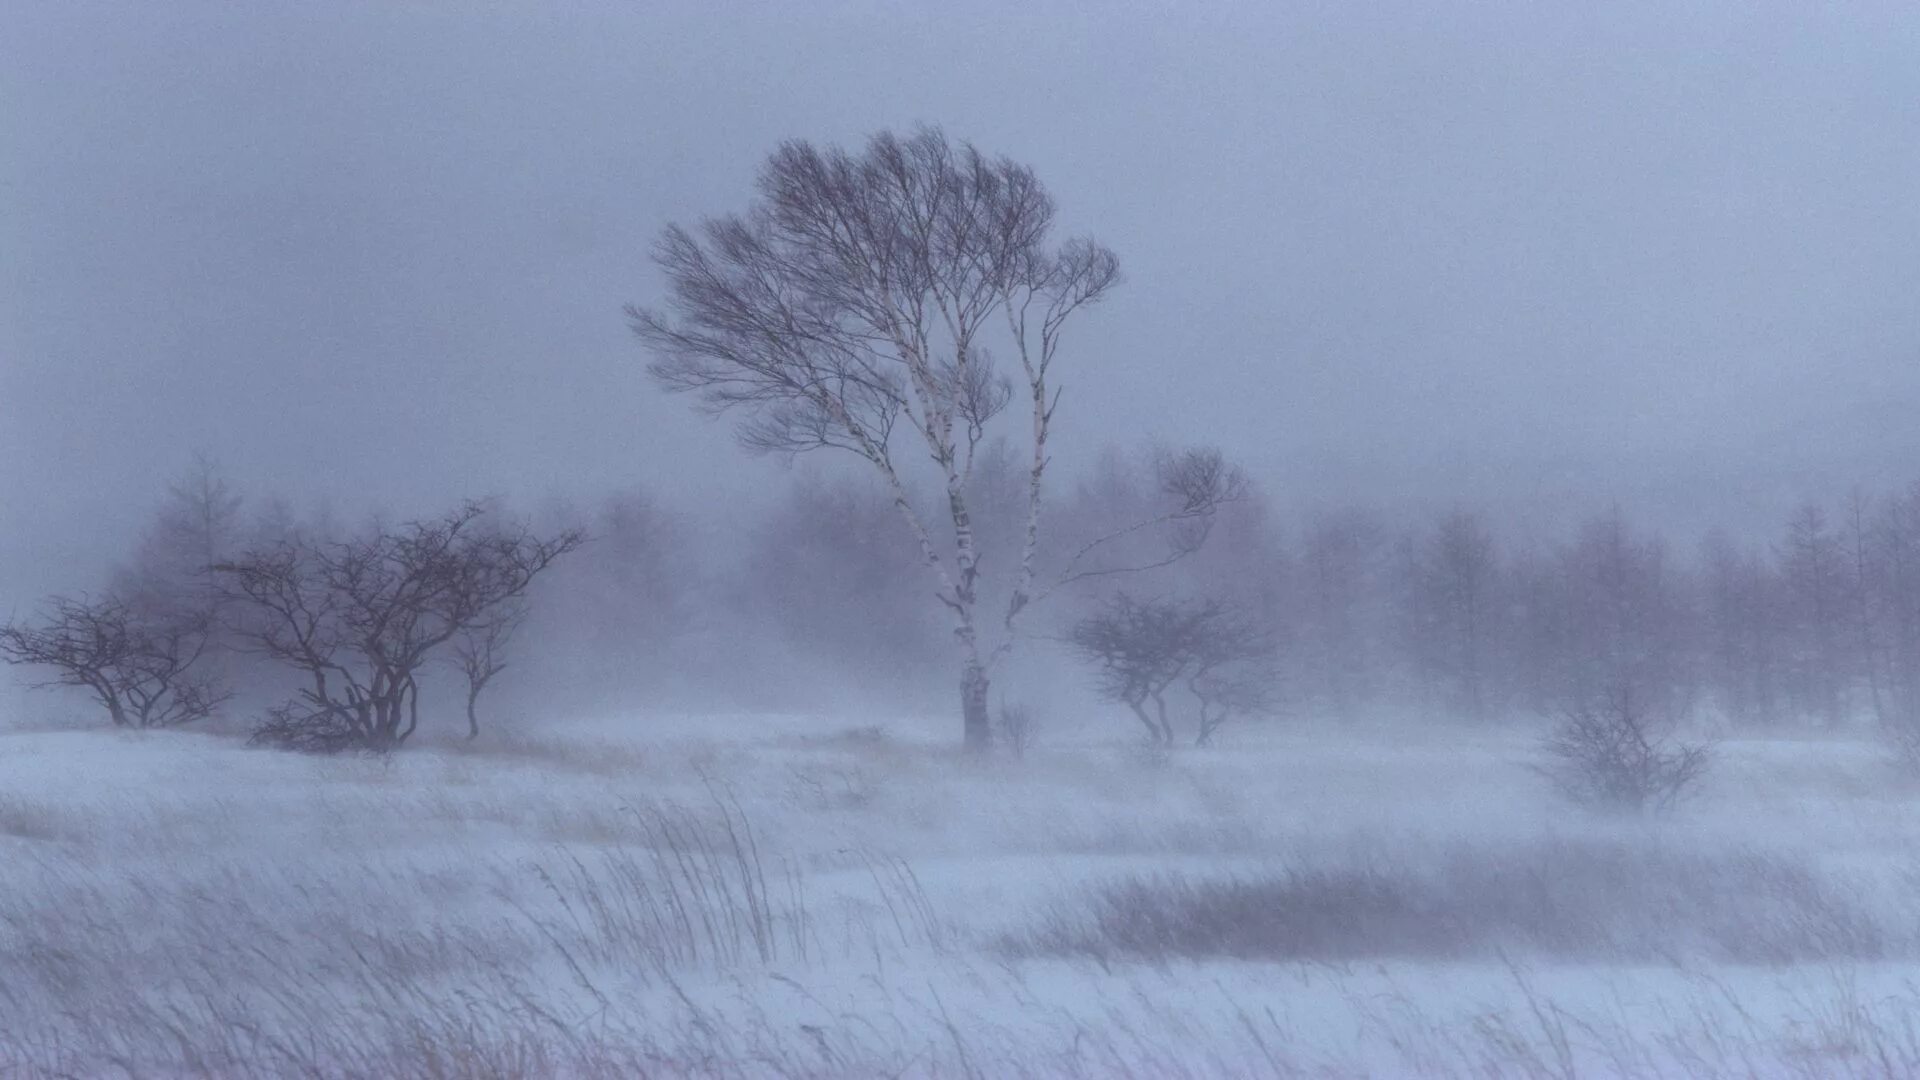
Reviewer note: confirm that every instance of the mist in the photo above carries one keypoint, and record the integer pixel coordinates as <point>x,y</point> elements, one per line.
<point>851,539</point>
<point>1533,255</point>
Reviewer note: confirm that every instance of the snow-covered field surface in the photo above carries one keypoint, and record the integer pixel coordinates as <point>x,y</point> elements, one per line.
<point>797,896</point>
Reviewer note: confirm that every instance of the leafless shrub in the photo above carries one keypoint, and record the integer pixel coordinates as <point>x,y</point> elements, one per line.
<point>308,731</point>
<point>360,619</point>
<point>1016,729</point>
<point>1143,648</point>
<point>1611,754</point>
<point>143,668</point>
<point>1567,901</point>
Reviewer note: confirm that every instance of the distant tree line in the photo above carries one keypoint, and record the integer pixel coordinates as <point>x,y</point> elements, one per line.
<point>1814,627</point>
<point>249,608</point>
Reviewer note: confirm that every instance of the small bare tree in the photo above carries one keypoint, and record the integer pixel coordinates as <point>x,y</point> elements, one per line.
<point>1611,752</point>
<point>1144,648</point>
<point>1232,671</point>
<point>481,653</point>
<point>1136,645</point>
<point>144,669</point>
<point>860,301</point>
<point>361,618</point>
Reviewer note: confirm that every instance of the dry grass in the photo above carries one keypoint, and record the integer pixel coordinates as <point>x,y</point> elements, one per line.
<point>494,1026</point>
<point>551,909</point>
<point>1603,901</point>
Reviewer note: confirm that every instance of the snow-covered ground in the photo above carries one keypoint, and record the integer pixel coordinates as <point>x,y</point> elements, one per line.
<point>801,896</point>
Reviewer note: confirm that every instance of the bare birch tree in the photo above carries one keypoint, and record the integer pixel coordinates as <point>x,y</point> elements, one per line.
<point>858,304</point>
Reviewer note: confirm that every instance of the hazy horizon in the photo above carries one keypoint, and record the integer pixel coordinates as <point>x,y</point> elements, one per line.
<point>1532,258</point>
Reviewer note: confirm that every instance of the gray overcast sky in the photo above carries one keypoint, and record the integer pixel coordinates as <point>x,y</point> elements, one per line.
<point>1522,253</point>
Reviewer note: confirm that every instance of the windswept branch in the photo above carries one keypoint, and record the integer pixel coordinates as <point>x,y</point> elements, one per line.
<point>1195,484</point>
